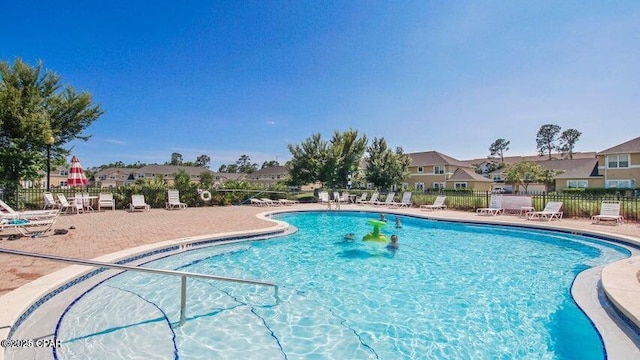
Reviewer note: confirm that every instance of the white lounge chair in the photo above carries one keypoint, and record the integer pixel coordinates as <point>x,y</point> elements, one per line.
<point>323,197</point>
<point>388,200</point>
<point>437,204</point>
<point>551,211</point>
<point>288,202</point>
<point>65,206</point>
<point>609,211</point>
<point>173,200</point>
<point>406,200</point>
<point>362,198</point>
<point>137,203</point>
<point>495,207</point>
<point>106,200</point>
<point>31,226</point>
<point>50,202</point>
<point>9,213</point>
<point>269,202</point>
<point>373,200</point>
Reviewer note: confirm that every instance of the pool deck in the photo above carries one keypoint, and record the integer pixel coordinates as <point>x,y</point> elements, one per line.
<point>96,235</point>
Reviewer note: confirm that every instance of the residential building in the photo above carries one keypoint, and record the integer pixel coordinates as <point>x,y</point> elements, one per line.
<point>268,176</point>
<point>433,170</point>
<point>620,165</point>
<point>114,177</point>
<point>168,172</point>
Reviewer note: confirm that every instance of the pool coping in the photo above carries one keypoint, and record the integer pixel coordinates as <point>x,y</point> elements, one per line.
<point>621,287</point>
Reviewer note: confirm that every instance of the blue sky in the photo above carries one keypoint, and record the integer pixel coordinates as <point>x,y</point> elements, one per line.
<point>226,78</point>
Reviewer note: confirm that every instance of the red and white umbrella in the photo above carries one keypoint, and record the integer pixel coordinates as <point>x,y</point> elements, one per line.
<point>76,175</point>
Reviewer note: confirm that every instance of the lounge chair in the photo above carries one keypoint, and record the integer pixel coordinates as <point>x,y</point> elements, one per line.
<point>362,198</point>
<point>256,202</point>
<point>30,226</point>
<point>65,206</point>
<point>137,203</point>
<point>106,200</point>
<point>269,202</point>
<point>388,200</point>
<point>437,204</point>
<point>323,197</point>
<point>173,200</point>
<point>406,200</point>
<point>373,200</point>
<point>551,211</point>
<point>50,202</point>
<point>495,207</point>
<point>609,211</point>
<point>9,213</point>
<point>288,202</point>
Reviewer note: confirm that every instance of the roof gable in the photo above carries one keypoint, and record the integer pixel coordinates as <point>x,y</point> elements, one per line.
<point>631,146</point>
<point>463,174</point>
<point>434,158</point>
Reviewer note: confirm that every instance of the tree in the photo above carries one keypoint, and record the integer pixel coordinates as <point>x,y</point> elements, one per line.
<point>203,161</point>
<point>176,159</point>
<point>182,180</point>
<point>499,147</point>
<point>308,161</point>
<point>34,110</point>
<point>384,166</point>
<point>546,139</point>
<point>271,163</point>
<point>245,165</point>
<point>206,179</point>
<point>345,152</point>
<point>568,140</point>
<point>222,168</point>
<point>522,174</point>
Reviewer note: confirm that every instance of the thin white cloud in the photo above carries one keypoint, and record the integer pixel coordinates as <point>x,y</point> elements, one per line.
<point>115,141</point>
<point>271,123</point>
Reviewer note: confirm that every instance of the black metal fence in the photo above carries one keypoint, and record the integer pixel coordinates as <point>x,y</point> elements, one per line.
<point>574,205</point>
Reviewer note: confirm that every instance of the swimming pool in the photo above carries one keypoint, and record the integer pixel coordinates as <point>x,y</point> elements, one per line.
<point>450,291</point>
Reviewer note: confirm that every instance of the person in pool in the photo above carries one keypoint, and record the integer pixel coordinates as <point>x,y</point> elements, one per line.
<point>394,243</point>
<point>383,218</point>
<point>398,223</point>
<point>350,236</point>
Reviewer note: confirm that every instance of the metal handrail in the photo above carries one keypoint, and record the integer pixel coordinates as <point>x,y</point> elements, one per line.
<point>182,274</point>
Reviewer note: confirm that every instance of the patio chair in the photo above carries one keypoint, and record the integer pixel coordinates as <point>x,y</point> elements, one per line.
<point>256,202</point>
<point>50,202</point>
<point>30,226</point>
<point>406,200</point>
<point>173,200</point>
<point>269,202</point>
<point>106,200</point>
<point>438,204</point>
<point>75,205</point>
<point>323,197</point>
<point>362,198</point>
<point>344,197</point>
<point>373,200</point>
<point>495,207</point>
<point>137,203</point>
<point>9,213</point>
<point>288,202</point>
<point>388,200</point>
<point>551,211</point>
<point>609,211</point>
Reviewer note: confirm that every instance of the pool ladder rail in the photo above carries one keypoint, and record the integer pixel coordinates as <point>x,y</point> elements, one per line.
<point>183,274</point>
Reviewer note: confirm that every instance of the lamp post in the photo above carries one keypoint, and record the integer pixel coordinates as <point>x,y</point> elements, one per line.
<point>49,140</point>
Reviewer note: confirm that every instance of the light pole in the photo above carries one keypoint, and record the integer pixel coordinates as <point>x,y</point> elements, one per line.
<point>49,140</point>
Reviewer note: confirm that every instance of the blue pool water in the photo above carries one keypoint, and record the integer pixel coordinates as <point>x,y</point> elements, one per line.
<point>451,291</point>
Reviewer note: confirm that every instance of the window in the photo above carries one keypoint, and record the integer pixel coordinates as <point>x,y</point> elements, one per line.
<point>419,186</point>
<point>420,169</point>
<point>619,184</point>
<point>618,161</point>
<point>438,185</point>
<point>140,175</point>
<point>577,183</point>
<point>111,177</point>
<point>64,172</point>
<point>438,169</point>
<point>497,177</point>
<point>63,183</point>
<point>460,185</point>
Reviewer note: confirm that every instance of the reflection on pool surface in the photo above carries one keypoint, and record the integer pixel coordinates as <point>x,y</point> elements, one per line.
<point>450,291</point>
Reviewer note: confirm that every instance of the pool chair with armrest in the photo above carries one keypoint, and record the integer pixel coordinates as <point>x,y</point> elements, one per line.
<point>106,200</point>
<point>551,211</point>
<point>66,206</point>
<point>137,203</point>
<point>437,204</point>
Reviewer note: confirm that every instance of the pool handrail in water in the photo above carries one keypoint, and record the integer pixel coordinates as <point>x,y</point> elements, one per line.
<point>182,274</point>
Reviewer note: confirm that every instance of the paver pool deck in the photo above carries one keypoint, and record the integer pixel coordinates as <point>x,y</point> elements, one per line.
<point>100,233</point>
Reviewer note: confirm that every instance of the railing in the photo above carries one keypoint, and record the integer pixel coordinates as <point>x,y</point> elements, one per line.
<point>182,274</point>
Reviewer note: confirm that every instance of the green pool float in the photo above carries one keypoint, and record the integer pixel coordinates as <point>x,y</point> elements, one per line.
<point>375,235</point>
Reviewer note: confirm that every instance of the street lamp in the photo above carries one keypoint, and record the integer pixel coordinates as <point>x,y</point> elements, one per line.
<point>49,140</point>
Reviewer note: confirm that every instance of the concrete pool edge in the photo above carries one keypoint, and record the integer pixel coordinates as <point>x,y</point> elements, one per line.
<point>35,290</point>
<point>22,300</point>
